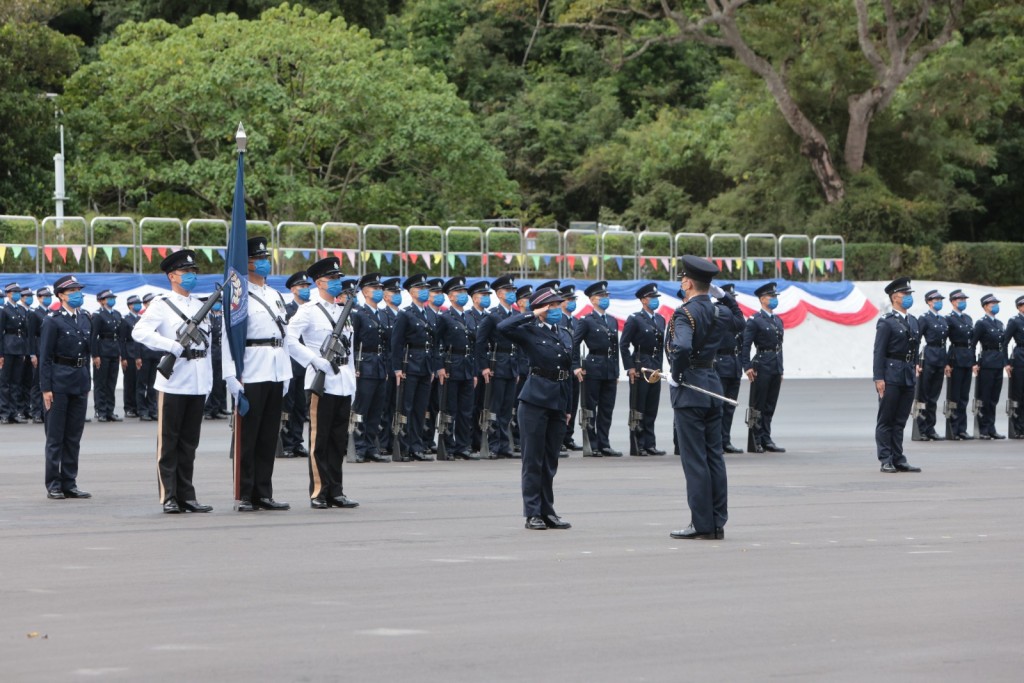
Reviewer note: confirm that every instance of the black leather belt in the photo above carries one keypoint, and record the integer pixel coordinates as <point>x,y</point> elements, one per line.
<point>192,354</point>
<point>991,348</point>
<point>774,349</point>
<point>731,352</point>
<point>418,346</point>
<point>15,333</point>
<point>906,358</point>
<point>959,345</point>
<point>702,364</point>
<point>272,342</point>
<point>554,375</point>
<point>611,352</point>
<point>505,349</point>
<point>107,336</point>
<point>79,362</point>
<point>460,352</point>
<point>651,351</point>
<point>936,345</point>
<point>379,351</point>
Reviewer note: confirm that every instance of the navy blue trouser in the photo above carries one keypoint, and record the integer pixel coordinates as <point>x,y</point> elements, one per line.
<point>260,427</point>
<point>600,398</point>
<point>460,401</point>
<point>730,389</point>
<point>369,403</point>
<point>104,379</point>
<point>64,424</point>
<point>699,434</point>
<point>765,391</point>
<point>893,412</point>
<point>960,393</point>
<point>10,385</point>
<point>541,440</point>
<point>179,423</point>
<point>294,404</point>
<point>990,386</point>
<point>502,402</point>
<point>414,404</point>
<point>931,386</point>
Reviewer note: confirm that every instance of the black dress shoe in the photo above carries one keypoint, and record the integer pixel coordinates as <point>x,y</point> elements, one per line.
<point>171,507</point>
<point>245,506</point>
<point>758,448</point>
<point>997,435</point>
<point>286,453</point>
<point>935,437</point>
<point>889,468</point>
<point>130,413</point>
<point>300,451</point>
<point>18,419</point>
<point>146,418</point>
<point>422,457</point>
<point>573,446</point>
<point>562,453</point>
<point>103,419</point>
<point>729,448</point>
<point>611,453</point>
<point>964,436</point>
<point>719,533</point>
<point>115,418</point>
<point>536,524</point>
<point>271,504</point>
<point>466,456</point>
<point>342,501</point>
<point>318,503</point>
<point>76,493</point>
<point>984,437</point>
<point>377,457</point>
<point>655,451</point>
<point>638,454</point>
<point>594,454</point>
<point>690,534</point>
<point>195,506</point>
<point>55,495</point>
<point>556,522</point>
<point>772,448</point>
<point>904,467</point>
<point>37,420</point>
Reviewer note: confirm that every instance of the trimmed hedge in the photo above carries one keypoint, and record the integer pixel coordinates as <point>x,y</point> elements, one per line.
<point>983,263</point>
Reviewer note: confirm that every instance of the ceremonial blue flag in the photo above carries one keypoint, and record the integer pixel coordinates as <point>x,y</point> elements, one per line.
<point>236,274</point>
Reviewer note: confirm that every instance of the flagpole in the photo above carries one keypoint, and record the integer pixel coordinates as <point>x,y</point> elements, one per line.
<point>232,256</point>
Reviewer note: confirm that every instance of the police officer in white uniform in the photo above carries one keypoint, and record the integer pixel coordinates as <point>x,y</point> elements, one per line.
<point>181,397</point>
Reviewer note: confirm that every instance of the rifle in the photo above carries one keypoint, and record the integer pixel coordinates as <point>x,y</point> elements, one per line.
<point>586,419</point>
<point>487,416</point>
<point>976,406</point>
<point>949,409</point>
<point>636,417</point>
<point>443,418</point>
<point>189,333</point>
<point>400,419</point>
<point>1011,414</point>
<point>915,409</point>
<point>354,418</point>
<point>334,350</point>
<point>753,420</point>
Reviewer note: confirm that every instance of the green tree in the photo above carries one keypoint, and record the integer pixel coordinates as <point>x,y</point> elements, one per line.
<point>340,128</point>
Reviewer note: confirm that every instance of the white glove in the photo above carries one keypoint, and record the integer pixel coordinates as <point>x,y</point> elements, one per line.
<point>233,385</point>
<point>716,292</point>
<point>177,349</point>
<point>322,365</point>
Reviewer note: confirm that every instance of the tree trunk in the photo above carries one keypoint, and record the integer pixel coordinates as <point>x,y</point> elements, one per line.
<point>862,109</point>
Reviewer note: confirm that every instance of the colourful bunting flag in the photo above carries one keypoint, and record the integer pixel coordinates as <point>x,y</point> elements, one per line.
<point>109,251</point>
<point>519,259</point>
<point>148,252</point>
<point>208,253</point>
<point>664,263</point>
<point>508,258</point>
<point>618,262</point>
<point>839,265</point>
<point>413,256</point>
<point>465,262</point>
<point>451,260</point>
<point>426,258</point>
<point>547,260</point>
<point>123,251</point>
<point>572,263</point>
<point>366,256</point>
<point>223,254</point>
<point>288,253</point>
<point>789,267</point>
<point>63,251</point>
<point>162,251</point>
<point>483,259</point>
<point>376,259</point>
<point>799,266</point>
<point>750,266</point>
<point>389,256</point>
<point>305,254</point>
<point>3,253</point>
<point>536,261</point>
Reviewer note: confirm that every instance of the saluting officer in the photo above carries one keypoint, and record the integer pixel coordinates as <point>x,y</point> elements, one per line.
<point>414,359</point>
<point>697,333</point>
<point>934,331</point>
<point>44,297</point>
<point>498,361</point>
<point>295,405</point>
<point>145,394</point>
<point>897,338</point>
<point>328,414</point>
<point>371,344</point>
<point>106,356</point>
<point>64,381</point>
<point>15,347</point>
<point>480,301</point>
<point>523,295</point>
<point>764,330</point>
<point>727,362</point>
<point>389,314</point>
<point>568,323</point>
<point>457,339</point>
<point>182,396</point>
<point>131,360</point>
<point>266,373</point>
<point>216,407</point>
<point>543,403</point>
<point>1015,331</point>
<point>599,371</point>
<point>644,331</point>
<point>961,364</point>
<point>988,332</point>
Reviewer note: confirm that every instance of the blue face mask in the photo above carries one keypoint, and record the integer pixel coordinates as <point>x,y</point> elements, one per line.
<point>571,306</point>
<point>907,302</point>
<point>28,301</point>
<point>188,281</point>
<point>995,309</point>
<point>217,306</point>
<point>937,306</point>
<point>76,299</point>
<point>138,307</point>
<point>510,297</point>
<point>961,305</point>
<point>47,300</point>
<point>525,307</point>
<point>603,303</point>
<point>111,301</point>
<point>653,303</point>
<point>396,299</point>
<point>334,287</point>
<point>262,267</point>
<point>485,301</point>
<point>377,296</point>
<point>438,300</point>
<point>554,315</point>
<point>304,293</point>
<point>422,295</point>
<point>16,297</point>
<point>773,303</point>
<point>461,299</point>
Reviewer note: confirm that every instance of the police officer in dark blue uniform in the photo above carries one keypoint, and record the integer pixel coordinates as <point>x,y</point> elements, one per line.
<point>64,382</point>
<point>371,344</point>
<point>644,331</point>
<point>523,295</point>
<point>388,314</point>
<point>727,361</point>
<point>15,348</point>
<point>106,356</point>
<point>696,333</point>
<point>31,360</point>
<point>934,331</point>
<point>764,330</point>
<point>1015,331</point>
<point>457,338</point>
<point>599,371</point>
<point>480,300</point>
<point>498,360</point>
<point>295,404</point>
<point>961,364</point>
<point>435,304</point>
<point>568,322</point>
<point>897,338</point>
<point>988,332</point>
<point>216,407</point>
<point>415,338</point>
<point>543,402</point>
<point>44,297</point>
<point>145,394</point>
<point>131,360</point>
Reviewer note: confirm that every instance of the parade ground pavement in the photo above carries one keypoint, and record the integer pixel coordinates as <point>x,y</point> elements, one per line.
<point>829,570</point>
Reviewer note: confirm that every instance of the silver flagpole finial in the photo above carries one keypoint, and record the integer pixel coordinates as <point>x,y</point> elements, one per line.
<point>240,138</point>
